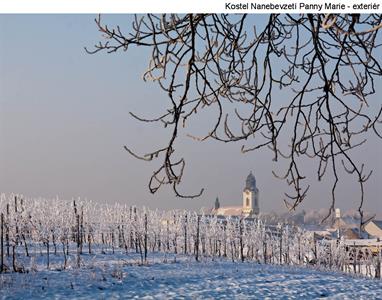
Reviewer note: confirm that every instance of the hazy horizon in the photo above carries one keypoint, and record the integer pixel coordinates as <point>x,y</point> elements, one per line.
<point>64,119</point>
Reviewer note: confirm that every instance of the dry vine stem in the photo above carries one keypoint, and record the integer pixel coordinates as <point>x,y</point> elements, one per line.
<point>238,63</point>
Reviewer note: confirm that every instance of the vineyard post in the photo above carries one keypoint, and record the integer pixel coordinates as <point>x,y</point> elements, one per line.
<point>7,231</point>
<point>47,252</point>
<point>203,241</point>
<point>159,239</point>
<point>197,239</point>
<point>131,230</point>
<point>241,240</point>
<point>119,236</point>
<point>78,240</point>
<point>81,229</point>
<point>89,240</point>
<point>281,244</point>
<point>175,241</point>
<point>2,244</point>
<point>299,249</point>
<point>75,227</point>
<point>315,247</point>
<point>287,243</point>
<point>136,234</point>
<point>123,233</point>
<point>16,221</point>
<point>168,236</point>
<point>145,237</point>
<point>378,265</point>
<point>355,261</point>
<point>185,234</point>
<point>265,249</point>
<point>140,247</point>
<point>54,242</point>
<point>63,250</point>
<point>25,244</point>
<point>330,256</point>
<point>103,242</point>
<point>14,258</point>
<point>225,239</point>
<point>112,239</point>
<point>124,239</point>
<point>232,251</point>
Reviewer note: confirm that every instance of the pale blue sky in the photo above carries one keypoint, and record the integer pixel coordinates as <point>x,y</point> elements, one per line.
<point>64,120</point>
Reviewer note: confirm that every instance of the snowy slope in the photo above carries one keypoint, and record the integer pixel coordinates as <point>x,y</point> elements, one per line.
<point>120,276</point>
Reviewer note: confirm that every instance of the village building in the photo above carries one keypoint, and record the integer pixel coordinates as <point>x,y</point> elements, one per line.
<point>374,229</point>
<point>250,202</point>
<point>345,228</point>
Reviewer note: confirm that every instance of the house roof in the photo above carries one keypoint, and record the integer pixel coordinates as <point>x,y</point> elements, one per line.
<point>378,223</point>
<point>229,211</point>
<point>351,233</point>
<point>340,223</point>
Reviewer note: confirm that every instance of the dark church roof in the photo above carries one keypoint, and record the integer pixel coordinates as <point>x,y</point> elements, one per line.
<point>250,183</point>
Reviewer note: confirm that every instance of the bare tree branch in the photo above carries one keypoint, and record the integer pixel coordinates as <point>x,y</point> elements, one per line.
<point>238,65</point>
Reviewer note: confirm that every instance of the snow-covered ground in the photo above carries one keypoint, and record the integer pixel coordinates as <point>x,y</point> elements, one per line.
<point>120,276</point>
<point>43,237</point>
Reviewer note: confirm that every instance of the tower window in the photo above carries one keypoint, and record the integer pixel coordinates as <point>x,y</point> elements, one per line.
<point>247,202</point>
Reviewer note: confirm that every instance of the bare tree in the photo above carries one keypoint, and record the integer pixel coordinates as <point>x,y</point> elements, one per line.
<point>238,64</point>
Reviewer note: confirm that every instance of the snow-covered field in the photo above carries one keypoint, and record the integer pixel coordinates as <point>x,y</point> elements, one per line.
<point>55,249</point>
<point>120,276</point>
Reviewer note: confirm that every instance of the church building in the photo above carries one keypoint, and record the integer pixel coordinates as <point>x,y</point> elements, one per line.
<point>250,206</point>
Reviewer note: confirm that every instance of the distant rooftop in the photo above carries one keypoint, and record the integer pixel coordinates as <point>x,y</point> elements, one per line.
<point>229,211</point>
<point>378,223</point>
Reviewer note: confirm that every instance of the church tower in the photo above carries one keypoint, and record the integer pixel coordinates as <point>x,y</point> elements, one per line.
<point>217,203</point>
<point>250,196</point>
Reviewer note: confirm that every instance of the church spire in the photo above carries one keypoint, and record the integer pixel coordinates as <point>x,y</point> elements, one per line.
<point>250,183</point>
<point>217,203</point>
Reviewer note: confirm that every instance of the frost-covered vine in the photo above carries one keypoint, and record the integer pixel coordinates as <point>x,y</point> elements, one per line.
<point>37,229</point>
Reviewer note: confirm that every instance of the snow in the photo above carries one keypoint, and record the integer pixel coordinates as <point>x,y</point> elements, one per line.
<point>119,275</point>
<point>51,241</point>
<point>363,242</point>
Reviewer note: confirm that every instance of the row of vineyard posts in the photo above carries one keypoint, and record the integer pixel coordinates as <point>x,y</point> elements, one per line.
<point>66,228</point>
